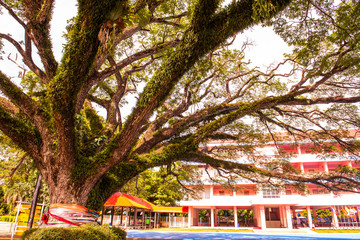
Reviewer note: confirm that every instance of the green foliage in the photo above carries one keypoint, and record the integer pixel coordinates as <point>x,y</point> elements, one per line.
<point>7,218</point>
<point>4,207</point>
<point>22,185</point>
<point>248,214</point>
<point>33,85</point>
<point>262,9</point>
<point>90,136</point>
<point>79,233</point>
<point>322,213</point>
<point>160,187</point>
<point>318,31</point>
<point>19,184</point>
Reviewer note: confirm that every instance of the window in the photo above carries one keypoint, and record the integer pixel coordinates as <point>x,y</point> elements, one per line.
<point>271,194</point>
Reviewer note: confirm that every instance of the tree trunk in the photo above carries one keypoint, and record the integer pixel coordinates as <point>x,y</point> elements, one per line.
<point>66,194</point>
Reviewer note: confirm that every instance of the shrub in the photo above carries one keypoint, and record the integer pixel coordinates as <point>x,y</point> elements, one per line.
<point>79,233</point>
<point>7,218</point>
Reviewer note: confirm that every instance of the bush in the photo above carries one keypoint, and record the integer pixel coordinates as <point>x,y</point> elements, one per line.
<point>76,233</point>
<point>7,218</point>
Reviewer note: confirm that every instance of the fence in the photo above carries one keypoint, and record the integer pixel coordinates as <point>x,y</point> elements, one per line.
<point>172,221</point>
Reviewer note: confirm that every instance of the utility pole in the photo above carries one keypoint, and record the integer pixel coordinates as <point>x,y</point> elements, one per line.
<point>34,202</point>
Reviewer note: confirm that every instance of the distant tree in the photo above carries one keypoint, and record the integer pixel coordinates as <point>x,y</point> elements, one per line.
<point>173,58</point>
<point>18,175</point>
<point>4,207</point>
<point>163,186</point>
<point>324,213</point>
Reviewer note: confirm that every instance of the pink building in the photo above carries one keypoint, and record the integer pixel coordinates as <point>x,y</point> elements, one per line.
<point>273,208</point>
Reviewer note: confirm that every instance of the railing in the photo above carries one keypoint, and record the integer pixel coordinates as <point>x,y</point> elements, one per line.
<point>173,221</point>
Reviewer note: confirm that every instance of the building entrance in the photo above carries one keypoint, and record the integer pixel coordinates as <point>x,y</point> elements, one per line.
<point>272,216</point>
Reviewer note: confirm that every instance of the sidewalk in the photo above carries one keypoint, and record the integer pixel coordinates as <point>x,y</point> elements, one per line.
<point>5,231</point>
<point>5,228</point>
<point>8,237</point>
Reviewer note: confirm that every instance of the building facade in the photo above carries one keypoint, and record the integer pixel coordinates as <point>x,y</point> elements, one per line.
<point>246,204</point>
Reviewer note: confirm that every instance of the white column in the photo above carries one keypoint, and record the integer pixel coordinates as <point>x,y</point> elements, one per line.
<point>262,217</point>
<point>288,217</point>
<point>326,168</point>
<point>169,219</point>
<point>235,217</point>
<point>155,219</point>
<point>334,216</point>
<point>302,167</point>
<point>211,191</point>
<point>309,217</point>
<point>190,216</point>
<point>212,217</point>
<point>283,220</point>
<point>127,217</point>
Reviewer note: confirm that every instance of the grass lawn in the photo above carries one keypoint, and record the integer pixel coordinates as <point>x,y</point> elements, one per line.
<point>202,230</point>
<point>337,230</point>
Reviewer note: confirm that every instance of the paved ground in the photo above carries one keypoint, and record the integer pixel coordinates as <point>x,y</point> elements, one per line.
<point>265,235</point>
<point>8,237</point>
<point>5,227</point>
<point>270,234</point>
<point>5,231</point>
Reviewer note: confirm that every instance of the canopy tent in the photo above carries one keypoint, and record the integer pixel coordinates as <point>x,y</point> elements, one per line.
<point>124,200</point>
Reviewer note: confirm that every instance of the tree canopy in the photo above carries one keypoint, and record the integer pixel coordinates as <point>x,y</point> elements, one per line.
<point>173,58</point>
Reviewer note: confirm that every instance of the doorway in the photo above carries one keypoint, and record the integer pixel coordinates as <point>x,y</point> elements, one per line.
<point>272,216</point>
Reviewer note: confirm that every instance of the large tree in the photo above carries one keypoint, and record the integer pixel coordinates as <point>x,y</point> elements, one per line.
<point>189,88</point>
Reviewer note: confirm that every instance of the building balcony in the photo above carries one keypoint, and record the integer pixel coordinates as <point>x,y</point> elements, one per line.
<point>259,199</point>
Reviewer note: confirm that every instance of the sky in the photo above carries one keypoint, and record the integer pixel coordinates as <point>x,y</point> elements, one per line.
<point>64,10</point>
<point>268,48</point>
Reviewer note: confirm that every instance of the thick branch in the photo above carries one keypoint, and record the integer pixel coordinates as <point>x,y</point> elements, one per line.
<point>22,101</point>
<point>21,134</point>
<point>323,100</point>
<point>39,14</point>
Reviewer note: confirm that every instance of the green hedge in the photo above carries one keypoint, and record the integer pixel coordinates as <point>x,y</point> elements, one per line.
<point>75,233</point>
<point>7,218</point>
